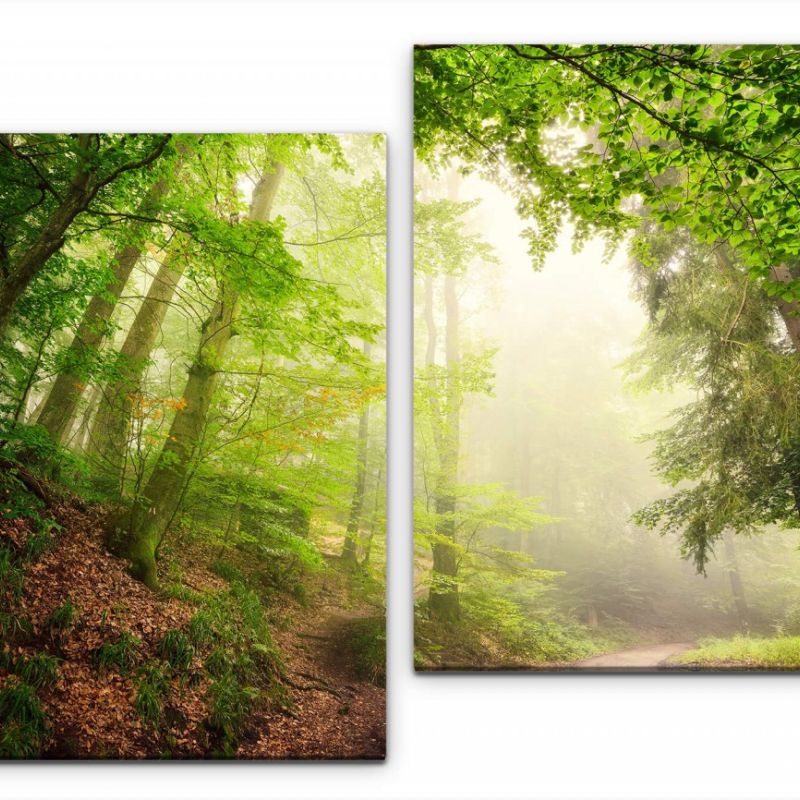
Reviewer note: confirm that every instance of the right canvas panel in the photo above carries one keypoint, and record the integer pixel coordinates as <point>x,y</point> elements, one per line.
<point>607,379</point>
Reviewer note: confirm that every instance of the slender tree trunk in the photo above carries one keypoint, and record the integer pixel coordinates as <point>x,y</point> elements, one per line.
<point>65,394</point>
<point>142,528</point>
<point>155,507</point>
<point>444,599</point>
<point>350,549</point>
<point>737,587</point>
<point>109,434</point>
<point>232,528</point>
<point>430,323</point>
<point>374,520</point>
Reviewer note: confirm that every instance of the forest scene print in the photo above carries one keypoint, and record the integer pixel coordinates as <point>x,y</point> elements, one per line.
<point>607,368</point>
<point>192,446</point>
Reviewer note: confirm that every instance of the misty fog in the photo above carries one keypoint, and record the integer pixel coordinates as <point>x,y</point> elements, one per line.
<point>562,421</point>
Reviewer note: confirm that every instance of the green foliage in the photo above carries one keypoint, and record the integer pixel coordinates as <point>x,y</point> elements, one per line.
<point>23,725</point>
<point>230,704</point>
<point>518,616</point>
<point>122,654</point>
<point>274,453</point>
<point>151,688</point>
<point>697,132</point>
<point>176,649</point>
<point>789,623</point>
<point>365,639</point>
<point>217,662</point>
<point>14,627</point>
<point>38,543</point>
<point>201,629</point>
<point>62,618</point>
<point>730,453</point>
<point>38,670</point>
<point>11,574</point>
<point>227,571</point>
<point>744,652</point>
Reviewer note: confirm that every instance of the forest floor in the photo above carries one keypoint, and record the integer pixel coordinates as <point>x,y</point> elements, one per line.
<point>91,710</point>
<point>337,713</point>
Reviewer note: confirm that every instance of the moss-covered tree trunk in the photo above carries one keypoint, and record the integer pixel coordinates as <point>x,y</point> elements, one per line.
<point>142,529</point>
<point>109,434</point>
<point>65,394</point>
<point>350,548</point>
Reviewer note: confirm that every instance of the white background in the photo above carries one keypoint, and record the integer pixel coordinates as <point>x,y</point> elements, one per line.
<point>344,66</point>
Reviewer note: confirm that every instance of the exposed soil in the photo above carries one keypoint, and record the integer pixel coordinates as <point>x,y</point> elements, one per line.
<point>648,657</point>
<point>337,713</point>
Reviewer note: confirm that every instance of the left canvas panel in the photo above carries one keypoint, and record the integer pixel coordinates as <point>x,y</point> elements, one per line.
<point>192,446</point>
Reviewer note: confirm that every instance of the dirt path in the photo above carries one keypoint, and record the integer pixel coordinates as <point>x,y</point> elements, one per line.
<point>649,657</point>
<point>336,713</point>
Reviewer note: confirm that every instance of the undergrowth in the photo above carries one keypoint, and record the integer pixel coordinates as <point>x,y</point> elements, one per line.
<point>745,652</point>
<point>122,654</point>
<point>23,725</point>
<point>365,639</point>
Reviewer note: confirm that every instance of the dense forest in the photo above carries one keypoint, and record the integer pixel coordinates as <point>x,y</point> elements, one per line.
<point>192,446</point>
<point>607,327</point>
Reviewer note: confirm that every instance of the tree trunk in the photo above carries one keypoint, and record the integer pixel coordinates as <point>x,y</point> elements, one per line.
<point>374,520</point>
<point>109,434</point>
<point>65,394</point>
<point>350,549</point>
<point>737,587</point>
<point>143,527</point>
<point>444,600</point>
<point>788,309</point>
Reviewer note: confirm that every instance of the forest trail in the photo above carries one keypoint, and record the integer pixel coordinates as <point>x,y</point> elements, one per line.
<point>648,657</point>
<point>337,712</point>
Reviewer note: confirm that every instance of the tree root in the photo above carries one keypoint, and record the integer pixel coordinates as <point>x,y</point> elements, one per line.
<point>316,684</point>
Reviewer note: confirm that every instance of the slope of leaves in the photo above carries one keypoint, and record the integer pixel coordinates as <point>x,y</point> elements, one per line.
<point>95,665</point>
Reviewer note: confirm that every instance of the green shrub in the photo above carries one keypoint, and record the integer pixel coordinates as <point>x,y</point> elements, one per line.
<point>63,617</point>
<point>151,689</point>
<point>122,654</point>
<point>11,574</point>
<point>366,641</point>
<point>201,629</point>
<point>217,662</point>
<point>745,652</point>
<point>789,623</point>
<point>14,628</point>
<point>227,571</point>
<point>180,591</point>
<point>40,669</point>
<point>176,649</point>
<point>41,540</point>
<point>267,659</point>
<point>23,725</point>
<point>230,704</point>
